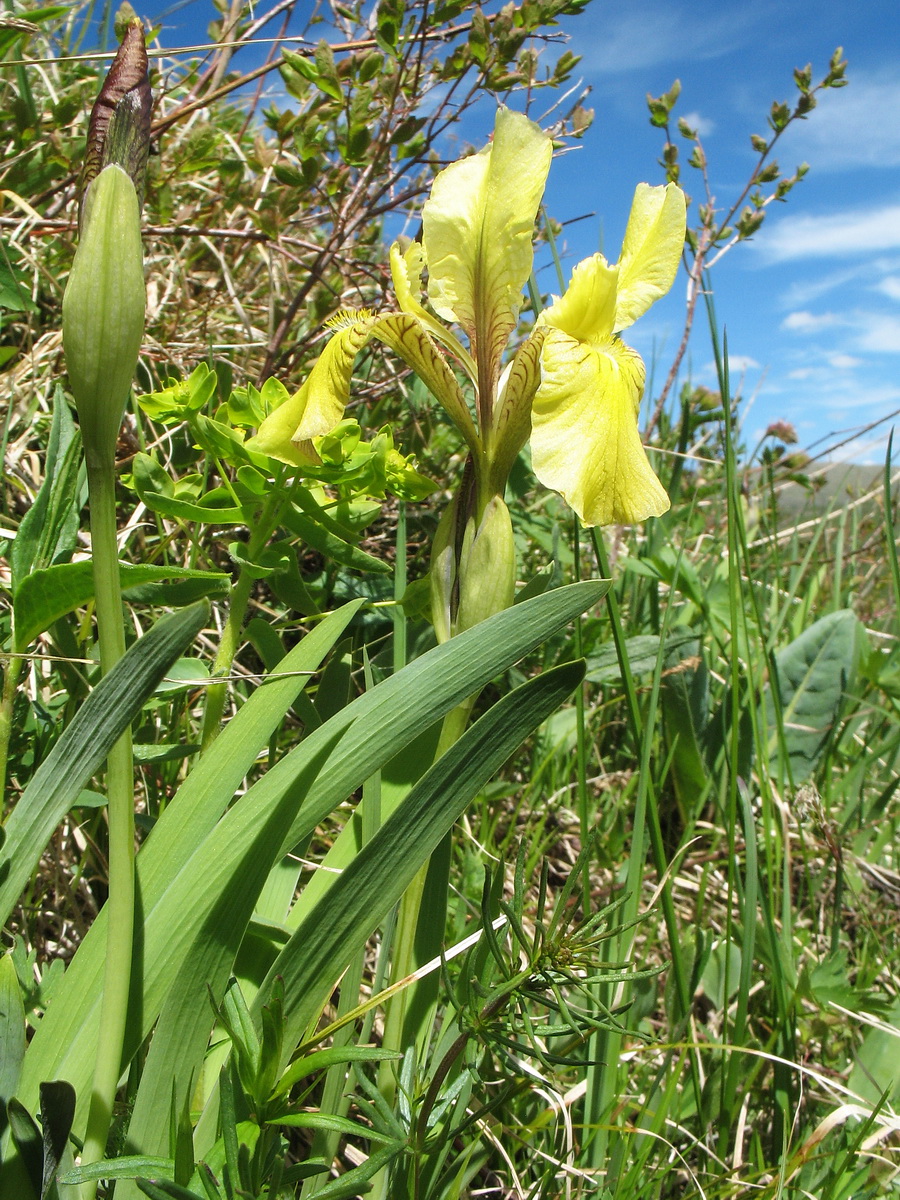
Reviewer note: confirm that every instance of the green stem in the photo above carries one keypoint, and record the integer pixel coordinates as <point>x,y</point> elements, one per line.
<point>120,797</point>
<point>237,612</point>
<point>7,700</point>
<point>229,644</point>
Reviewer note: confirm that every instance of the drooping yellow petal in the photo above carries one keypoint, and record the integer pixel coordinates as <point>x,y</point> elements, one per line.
<point>477,228</point>
<point>275,433</point>
<point>287,433</point>
<point>585,441</point>
<point>313,411</point>
<point>587,310</point>
<point>651,251</point>
<point>407,337</point>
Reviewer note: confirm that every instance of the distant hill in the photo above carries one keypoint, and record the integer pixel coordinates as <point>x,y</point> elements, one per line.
<point>843,483</point>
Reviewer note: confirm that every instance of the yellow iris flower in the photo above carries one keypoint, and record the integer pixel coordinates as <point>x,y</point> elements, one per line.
<point>572,384</point>
<point>585,442</point>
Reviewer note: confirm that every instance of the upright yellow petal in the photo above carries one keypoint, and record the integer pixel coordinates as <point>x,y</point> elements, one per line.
<point>407,268</point>
<point>651,251</point>
<point>477,227</point>
<point>587,310</point>
<point>585,441</point>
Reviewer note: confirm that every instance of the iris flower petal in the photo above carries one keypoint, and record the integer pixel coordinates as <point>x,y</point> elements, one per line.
<point>407,267</point>
<point>651,251</point>
<point>585,441</point>
<point>477,228</point>
<point>587,310</point>
<point>318,407</point>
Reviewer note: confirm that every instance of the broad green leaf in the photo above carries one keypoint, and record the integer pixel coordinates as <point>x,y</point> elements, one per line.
<point>15,285</point>
<point>877,1065</point>
<point>83,746</point>
<point>190,868</point>
<point>194,811</point>
<point>642,650</point>
<point>46,595</point>
<point>815,673</point>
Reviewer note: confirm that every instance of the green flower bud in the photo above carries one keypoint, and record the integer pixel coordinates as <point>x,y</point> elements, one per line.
<point>487,572</point>
<point>471,582</point>
<point>103,310</point>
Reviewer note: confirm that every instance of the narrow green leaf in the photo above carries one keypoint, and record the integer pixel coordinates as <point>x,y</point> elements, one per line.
<point>323,945</point>
<point>12,1034</point>
<point>50,526</point>
<point>331,545</point>
<point>27,1138</point>
<point>57,1113</point>
<point>127,1166</point>
<point>321,1060</point>
<point>190,868</point>
<point>83,747</point>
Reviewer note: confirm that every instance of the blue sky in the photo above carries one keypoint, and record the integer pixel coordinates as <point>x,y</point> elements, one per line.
<point>812,304</point>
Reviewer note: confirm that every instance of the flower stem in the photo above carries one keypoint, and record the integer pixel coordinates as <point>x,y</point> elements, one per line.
<point>237,612</point>
<point>7,700</point>
<point>120,798</point>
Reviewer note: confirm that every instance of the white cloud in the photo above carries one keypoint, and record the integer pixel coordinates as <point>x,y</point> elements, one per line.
<point>852,127</point>
<point>844,362</point>
<point>860,231</point>
<point>890,287</point>
<point>807,322</point>
<point>881,333</point>
<point>742,362</point>
<point>704,126</point>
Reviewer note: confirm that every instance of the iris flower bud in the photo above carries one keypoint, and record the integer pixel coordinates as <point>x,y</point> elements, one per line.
<point>472,580</point>
<point>103,307</point>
